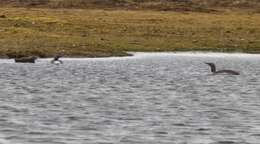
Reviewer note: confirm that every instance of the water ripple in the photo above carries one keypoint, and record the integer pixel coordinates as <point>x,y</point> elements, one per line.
<point>150,98</point>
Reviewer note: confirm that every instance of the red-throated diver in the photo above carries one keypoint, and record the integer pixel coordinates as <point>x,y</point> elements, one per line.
<point>213,70</point>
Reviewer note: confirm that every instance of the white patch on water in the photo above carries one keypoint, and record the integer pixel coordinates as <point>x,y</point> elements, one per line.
<point>141,55</point>
<point>194,54</point>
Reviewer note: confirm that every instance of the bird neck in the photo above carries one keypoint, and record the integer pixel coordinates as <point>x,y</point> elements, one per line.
<point>213,68</point>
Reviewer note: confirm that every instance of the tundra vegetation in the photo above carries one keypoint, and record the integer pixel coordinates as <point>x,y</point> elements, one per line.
<point>98,28</point>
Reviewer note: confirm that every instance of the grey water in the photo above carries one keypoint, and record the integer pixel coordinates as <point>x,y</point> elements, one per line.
<point>150,98</point>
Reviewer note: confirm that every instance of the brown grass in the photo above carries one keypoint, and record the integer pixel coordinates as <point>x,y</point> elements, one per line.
<point>94,33</point>
<point>161,5</point>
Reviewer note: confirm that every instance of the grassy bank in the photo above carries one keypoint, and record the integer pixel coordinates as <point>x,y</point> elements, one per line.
<point>94,33</point>
<point>159,5</point>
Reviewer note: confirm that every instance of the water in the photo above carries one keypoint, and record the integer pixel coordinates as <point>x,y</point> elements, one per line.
<point>146,99</point>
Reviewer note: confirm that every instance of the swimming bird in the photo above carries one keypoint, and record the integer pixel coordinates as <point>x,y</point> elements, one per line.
<point>25,59</point>
<point>213,70</point>
<point>56,60</point>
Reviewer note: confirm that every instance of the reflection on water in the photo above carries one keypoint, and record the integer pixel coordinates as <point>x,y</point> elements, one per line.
<point>146,99</point>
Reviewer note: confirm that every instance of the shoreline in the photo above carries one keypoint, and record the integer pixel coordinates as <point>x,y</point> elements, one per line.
<point>134,53</point>
<point>144,54</point>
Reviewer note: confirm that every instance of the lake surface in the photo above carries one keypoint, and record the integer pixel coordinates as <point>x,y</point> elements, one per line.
<point>151,98</point>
